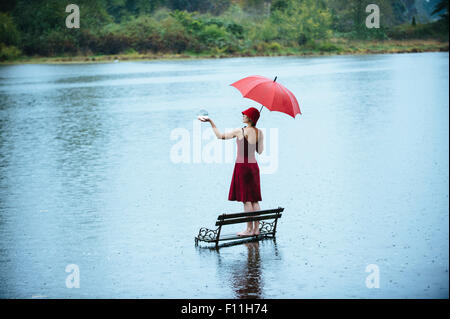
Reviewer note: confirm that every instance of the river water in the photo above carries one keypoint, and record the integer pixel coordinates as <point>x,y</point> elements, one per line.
<point>106,177</point>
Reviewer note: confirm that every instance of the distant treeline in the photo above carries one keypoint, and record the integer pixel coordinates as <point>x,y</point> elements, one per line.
<point>37,27</point>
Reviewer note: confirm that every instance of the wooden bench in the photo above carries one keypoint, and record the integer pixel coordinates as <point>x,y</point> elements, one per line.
<point>267,229</point>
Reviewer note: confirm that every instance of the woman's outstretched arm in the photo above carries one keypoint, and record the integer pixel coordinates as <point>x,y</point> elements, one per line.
<point>223,136</point>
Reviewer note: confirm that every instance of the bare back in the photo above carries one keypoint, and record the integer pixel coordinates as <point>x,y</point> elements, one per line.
<point>250,134</point>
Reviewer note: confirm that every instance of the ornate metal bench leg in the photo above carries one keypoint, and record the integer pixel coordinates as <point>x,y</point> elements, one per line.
<point>218,236</point>
<point>275,227</point>
<point>268,228</point>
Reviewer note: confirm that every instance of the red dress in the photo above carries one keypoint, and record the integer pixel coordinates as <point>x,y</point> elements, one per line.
<point>245,186</point>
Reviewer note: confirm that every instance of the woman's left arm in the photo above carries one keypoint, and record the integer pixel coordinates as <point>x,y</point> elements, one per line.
<point>260,142</point>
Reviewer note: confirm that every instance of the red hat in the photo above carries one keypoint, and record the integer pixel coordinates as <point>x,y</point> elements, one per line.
<point>252,114</point>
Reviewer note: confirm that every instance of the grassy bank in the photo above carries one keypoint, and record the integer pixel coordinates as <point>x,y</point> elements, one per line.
<point>336,46</point>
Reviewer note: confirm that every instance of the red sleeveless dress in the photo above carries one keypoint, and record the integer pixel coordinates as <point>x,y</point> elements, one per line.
<point>245,186</point>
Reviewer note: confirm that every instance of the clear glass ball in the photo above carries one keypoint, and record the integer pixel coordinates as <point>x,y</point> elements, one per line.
<point>202,112</point>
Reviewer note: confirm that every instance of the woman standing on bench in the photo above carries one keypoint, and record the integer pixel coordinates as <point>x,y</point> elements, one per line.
<point>245,184</point>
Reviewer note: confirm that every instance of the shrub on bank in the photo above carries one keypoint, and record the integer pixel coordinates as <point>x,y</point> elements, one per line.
<point>274,47</point>
<point>322,46</point>
<point>10,52</point>
<point>435,30</point>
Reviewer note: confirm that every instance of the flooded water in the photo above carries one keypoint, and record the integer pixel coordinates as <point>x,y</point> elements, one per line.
<point>91,176</point>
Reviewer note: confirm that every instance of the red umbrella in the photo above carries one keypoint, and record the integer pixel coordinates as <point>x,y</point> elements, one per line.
<point>269,93</point>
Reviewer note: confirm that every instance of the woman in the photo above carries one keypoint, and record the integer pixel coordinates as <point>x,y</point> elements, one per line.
<point>245,184</point>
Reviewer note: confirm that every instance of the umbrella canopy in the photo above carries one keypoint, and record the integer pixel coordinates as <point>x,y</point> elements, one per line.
<point>269,93</point>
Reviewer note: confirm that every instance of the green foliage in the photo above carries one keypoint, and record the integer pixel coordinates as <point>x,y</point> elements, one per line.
<point>280,5</point>
<point>255,7</point>
<point>236,29</point>
<point>143,34</point>
<point>322,46</point>
<point>187,20</point>
<point>8,31</point>
<point>213,6</point>
<point>9,52</point>
<point>434,30</point>
<point>234,13</point>
<point>265,31</point>
<point>213,34</point>
<point>442,9</point>
<point>175,37</point>
<point>161,14</point>
<point>274,47</point>
<point>37,27</point>
<point>299,21</point>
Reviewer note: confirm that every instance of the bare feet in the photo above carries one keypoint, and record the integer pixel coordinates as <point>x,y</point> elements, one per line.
<point>246,232</point>
<point>255,232</point>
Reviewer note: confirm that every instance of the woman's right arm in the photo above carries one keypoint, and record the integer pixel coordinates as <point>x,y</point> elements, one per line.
<point>219,135</point>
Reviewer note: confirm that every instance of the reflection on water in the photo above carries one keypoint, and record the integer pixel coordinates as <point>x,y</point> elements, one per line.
<point>86,178</point>
<point>246,279</point>
<point>244,271</point>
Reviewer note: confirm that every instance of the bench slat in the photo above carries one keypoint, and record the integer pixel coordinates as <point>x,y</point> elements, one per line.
<point>254,213</point>
<point>247,219</point>
<point>234,236</point>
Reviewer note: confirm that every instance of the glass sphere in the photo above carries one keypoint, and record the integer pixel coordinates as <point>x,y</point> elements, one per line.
<point>202,112</point>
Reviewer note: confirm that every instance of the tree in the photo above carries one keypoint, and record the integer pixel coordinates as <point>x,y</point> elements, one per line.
<point>300,21</point>
<point>442,7</point>
<point>213,6</point>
